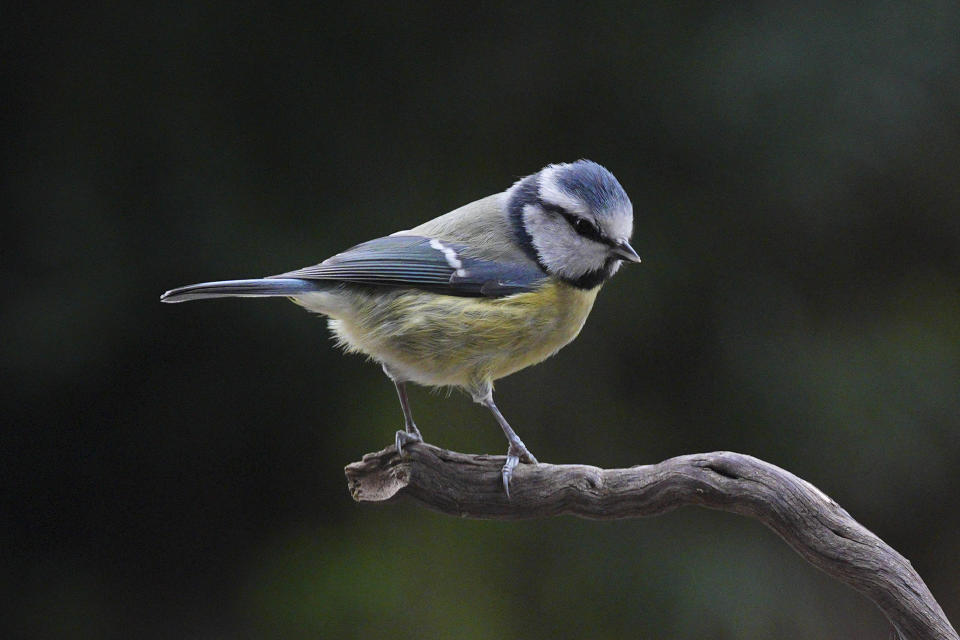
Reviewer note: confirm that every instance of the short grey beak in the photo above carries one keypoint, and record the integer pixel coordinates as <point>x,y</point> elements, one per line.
<point>624,251</point>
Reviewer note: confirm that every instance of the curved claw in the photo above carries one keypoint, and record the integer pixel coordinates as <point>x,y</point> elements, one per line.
<point>507,472</point>
<point>406,437</point>
<point>515,455</point>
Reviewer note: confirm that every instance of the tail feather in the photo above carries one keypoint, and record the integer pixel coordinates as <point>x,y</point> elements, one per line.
<point>264,287</point>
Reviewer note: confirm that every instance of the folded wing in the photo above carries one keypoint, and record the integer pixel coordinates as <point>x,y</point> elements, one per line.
<point>424,263</point>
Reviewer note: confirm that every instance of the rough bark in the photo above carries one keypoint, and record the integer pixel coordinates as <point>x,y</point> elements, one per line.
<point>815,526</point>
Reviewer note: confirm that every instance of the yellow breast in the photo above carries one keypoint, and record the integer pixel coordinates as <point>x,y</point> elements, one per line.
<point>445,340</point>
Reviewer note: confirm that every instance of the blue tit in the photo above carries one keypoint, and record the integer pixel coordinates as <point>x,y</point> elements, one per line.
<point>473,295</point>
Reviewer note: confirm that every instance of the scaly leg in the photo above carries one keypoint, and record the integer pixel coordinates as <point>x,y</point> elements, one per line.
<point>410,433</point>
<point>517,450</point>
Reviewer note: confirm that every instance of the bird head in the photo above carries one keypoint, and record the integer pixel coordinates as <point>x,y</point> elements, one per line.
<point>575,220</point>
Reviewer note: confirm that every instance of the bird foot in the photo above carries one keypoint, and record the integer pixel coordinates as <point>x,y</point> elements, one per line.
<point>515,455</point>
<point>407,437</point>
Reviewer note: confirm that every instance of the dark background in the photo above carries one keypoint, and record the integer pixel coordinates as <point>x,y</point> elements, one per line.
<point>177,471</point>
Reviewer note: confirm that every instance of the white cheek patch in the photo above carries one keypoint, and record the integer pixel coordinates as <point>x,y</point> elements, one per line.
<point>449,254</point>
<point>561,249</point>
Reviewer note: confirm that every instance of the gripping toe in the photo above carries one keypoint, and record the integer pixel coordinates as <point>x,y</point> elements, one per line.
<point>405,437</point>
<point>515,455</point>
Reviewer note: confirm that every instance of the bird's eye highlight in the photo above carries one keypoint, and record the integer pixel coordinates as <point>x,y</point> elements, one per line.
<point>584,227</point>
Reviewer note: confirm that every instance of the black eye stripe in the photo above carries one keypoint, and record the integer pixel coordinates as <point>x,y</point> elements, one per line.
<point>582,226</point>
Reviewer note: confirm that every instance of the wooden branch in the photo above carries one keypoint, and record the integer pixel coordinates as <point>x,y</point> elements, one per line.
<point>814,525</point>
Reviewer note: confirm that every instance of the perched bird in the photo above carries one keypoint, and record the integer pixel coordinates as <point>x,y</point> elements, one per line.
<point>473,295</point>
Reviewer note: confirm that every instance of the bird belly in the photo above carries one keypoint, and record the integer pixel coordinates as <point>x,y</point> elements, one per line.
<point>446,340</point>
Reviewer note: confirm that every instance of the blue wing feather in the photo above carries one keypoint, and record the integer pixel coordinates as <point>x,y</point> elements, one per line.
<point>422,263</point>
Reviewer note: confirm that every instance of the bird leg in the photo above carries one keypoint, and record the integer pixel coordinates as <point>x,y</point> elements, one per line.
<point>410,432</point>
<point>517,451</point>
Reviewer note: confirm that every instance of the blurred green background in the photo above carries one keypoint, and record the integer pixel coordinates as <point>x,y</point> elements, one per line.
<point>177,471</point>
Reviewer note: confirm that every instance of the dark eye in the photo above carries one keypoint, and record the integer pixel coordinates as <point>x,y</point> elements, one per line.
<point>581,225</point>
<point>584,227</point>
